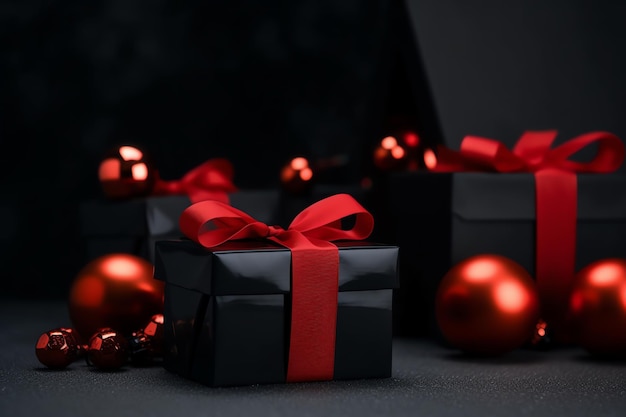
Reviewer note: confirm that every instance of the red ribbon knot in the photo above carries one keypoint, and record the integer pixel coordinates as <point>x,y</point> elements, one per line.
<point>555,195</point>
<point>273,231</point>
<point>314,266</point>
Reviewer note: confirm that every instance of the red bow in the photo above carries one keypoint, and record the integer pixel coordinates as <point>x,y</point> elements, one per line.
<point>532,153</point>
<point>211,180</point>
<point>314,264</point>
<point>556,197</point>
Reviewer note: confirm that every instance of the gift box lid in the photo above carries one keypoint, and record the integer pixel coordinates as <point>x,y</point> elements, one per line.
<point>494,196</point>
<point>259,267</point>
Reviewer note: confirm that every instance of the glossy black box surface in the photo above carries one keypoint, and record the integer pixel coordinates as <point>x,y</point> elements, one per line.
<point>227,310</point>
<point>440,219</point>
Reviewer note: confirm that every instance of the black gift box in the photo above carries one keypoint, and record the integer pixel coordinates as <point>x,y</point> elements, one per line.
<point>133,226</point>
<point>441,219</point>
<point>227,310</point>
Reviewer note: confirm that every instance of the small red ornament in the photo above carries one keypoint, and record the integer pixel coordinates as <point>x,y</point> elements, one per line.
<point>487,305</point>
<point>107,350</point>
<point>541,338</point>
<point>390,156</point>
<point>297,176</point>
<point>126,172</point>
<point>57,348</point>
<point>140,348</point>
<point>146,345</point>
<point>598,308</point>
<point>154,329</point>
<point>116,290</point>
<point>411,143</point>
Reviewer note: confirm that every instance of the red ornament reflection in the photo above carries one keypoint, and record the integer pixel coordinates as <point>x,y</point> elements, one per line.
<point>598,308</point>
<point>487,305</point>
<point>125,172</point>
<point>115,290</point>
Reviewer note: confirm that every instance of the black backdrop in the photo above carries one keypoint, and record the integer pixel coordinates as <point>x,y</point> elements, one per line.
<point>255,82</point>
<point>259,82</point>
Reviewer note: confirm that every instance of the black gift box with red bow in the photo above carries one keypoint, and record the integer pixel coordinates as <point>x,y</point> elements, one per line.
<point>536,204</point>
<point>251,303</point>
<point>443,218</point>
<point>227,311</point>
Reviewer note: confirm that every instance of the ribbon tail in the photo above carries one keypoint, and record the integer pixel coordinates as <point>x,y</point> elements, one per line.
<point>556,212</point>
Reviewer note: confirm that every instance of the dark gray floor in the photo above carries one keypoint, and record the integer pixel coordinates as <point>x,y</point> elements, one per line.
<point>428,380</point>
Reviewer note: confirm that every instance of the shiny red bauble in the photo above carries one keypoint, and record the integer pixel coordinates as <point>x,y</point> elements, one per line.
<point>57,348</point>
<point>487,305</point>
<point>107,350</point>
<point>115,290</point>
<point>296,177</point>
<point>126,172</point>
<point>390,156</point>
<point>598,308</point>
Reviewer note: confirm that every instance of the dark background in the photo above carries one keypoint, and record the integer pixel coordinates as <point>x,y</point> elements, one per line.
<point>260,82</point>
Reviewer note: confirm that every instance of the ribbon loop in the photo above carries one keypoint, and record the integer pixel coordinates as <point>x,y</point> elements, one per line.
<point>211,223</point>
<point>608,158</point>
<point>322,220</point>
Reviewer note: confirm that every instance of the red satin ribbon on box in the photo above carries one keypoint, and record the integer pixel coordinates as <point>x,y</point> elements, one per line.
<point>211,180</point>
<point>314,268</point>
<point>555,192</point>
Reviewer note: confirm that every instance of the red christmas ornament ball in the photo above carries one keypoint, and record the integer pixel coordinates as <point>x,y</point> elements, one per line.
<point>107,349</point>
<point>154,329</point>
<point>57,348</point>
<point>389,155</point>
<point>487,305</point>
<point>598,308</point>
<point>296,177</point>
<point>146,345</point>
<point>126,172</point>
<point>115,290</point>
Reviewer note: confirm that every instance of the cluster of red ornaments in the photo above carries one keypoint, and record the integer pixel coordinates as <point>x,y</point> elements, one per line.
<point>126,172</point>
<point>106,349</point>
<point>488,305</point>
<point>115,306</point>
<point>401,151</point>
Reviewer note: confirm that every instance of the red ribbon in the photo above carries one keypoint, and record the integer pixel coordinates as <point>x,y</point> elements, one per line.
<point>314,266</point>
<point>211,180</point>
<point>556,197</point>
